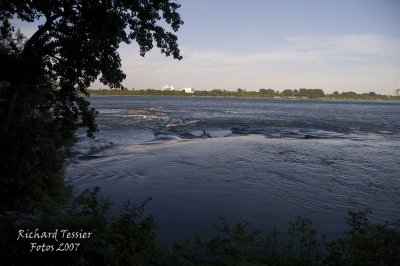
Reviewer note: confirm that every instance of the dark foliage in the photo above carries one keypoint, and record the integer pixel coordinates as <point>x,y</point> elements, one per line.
<point>262,93</point>
<point>44,81</point>
<point>129,239</point>
<point>365,243</point>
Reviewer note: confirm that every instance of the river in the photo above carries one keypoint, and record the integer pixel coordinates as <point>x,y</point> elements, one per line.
<point>261,161</point>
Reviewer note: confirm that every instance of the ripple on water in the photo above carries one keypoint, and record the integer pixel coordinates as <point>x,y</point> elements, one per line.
<point>232,175</point>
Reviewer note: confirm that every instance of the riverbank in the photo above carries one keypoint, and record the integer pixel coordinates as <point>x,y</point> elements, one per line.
<point>307,94</point>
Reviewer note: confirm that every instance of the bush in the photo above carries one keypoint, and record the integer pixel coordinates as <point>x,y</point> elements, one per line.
<point>124,240</point>
<point>129,239</point>
<point>366,243</point>
<point>363,244</point>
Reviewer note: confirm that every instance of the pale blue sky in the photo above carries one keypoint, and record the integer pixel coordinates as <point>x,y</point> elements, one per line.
<point>280,44</point>
<point>332,45</point>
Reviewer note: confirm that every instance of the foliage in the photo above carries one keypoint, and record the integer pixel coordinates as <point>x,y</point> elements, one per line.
<point>30,160</point>
<point>366,243</point>
<point>32,164</point>
<point>129,239</point>
<point>79,39</point>
<point>235,246</point>
<point>124,240</point>
<point>44,81</point>
<point>262,93</point>
<point>266,92</point>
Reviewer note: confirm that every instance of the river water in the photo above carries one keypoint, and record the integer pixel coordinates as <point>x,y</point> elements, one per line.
<point>261,161</point>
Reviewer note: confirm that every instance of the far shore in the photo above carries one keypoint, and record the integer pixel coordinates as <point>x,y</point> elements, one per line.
<point>243,94</point>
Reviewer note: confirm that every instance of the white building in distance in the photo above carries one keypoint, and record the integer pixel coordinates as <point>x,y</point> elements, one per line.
<point>168,88</point>
<point>188,90</point>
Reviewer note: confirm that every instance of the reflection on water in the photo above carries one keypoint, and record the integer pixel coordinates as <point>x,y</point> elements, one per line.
<point>262,161</point>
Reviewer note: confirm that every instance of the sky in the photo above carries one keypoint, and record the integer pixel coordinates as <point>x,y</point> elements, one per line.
<point>334,45</point>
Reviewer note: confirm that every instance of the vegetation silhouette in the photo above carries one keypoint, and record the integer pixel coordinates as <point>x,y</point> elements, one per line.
<point>130,239</point>
<point>302,93</point>
<point>43,84</point>
<point>43,80</point>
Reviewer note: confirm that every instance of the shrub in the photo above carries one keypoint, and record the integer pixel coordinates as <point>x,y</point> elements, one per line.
<point>129,239</point>
<point>124,240</point>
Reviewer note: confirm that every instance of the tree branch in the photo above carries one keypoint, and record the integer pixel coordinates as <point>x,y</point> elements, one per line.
<point>36,36</point>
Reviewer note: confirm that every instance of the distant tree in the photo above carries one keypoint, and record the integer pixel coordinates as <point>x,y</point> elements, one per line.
<point>287,93</point>
<point>316,93</point>
<point>309,93</point>
<point>349,95</point>
<point>43,78</point>
<point>266,92</point>
<point>302,92</point>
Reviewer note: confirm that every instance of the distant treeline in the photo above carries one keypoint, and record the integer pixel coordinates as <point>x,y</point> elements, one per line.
<point>267,93</point>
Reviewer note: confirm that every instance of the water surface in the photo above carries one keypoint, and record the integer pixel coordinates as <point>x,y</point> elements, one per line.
<point>262,161</point>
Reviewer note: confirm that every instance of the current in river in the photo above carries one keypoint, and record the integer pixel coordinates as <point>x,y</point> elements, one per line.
<point>255,160</point>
